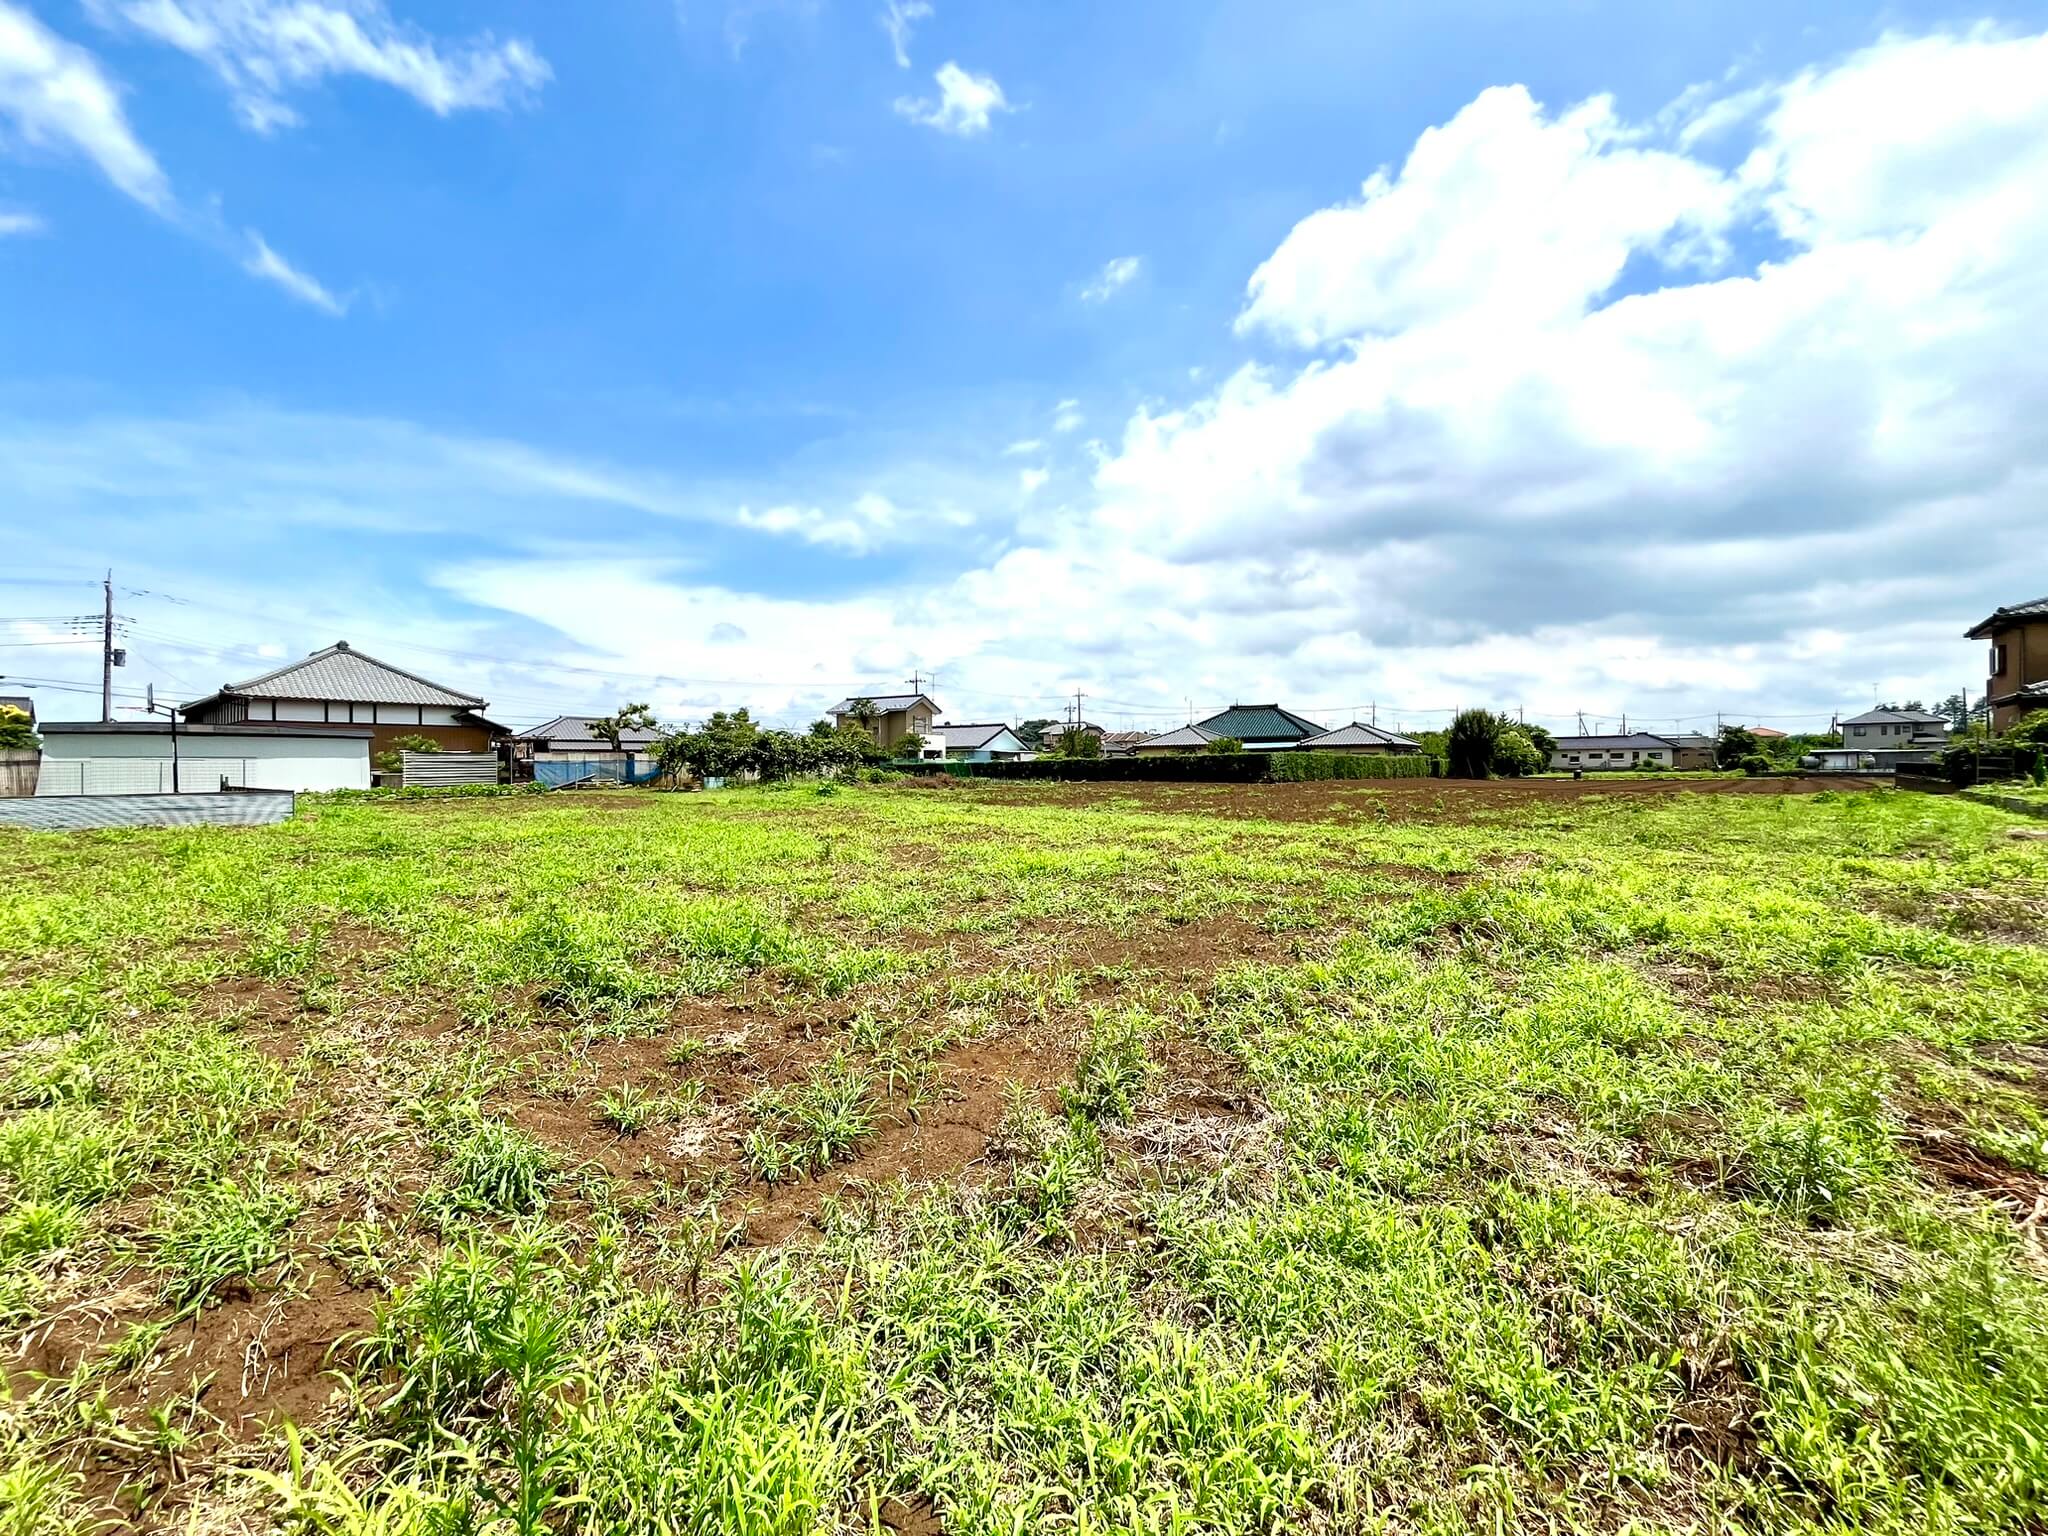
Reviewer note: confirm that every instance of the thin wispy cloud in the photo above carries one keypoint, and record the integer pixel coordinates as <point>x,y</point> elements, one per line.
<point>898,19</point>
<point>1114,277</point>
<point>965,106</point>
<point>56,98</point>
<point>15,222</point>
<point>265,263</point>
<point>262,50</point>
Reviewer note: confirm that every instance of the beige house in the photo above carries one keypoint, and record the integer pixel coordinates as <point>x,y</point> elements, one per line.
<point>2016,671</point>
<point>893,716</point>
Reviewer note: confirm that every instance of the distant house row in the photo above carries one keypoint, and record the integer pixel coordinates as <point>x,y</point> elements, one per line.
<point>894,718</point>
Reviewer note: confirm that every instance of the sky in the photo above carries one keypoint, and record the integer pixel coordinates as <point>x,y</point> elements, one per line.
<point>1581,360</point>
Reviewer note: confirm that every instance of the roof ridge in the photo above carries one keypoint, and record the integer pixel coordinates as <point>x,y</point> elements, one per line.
<point>343,648</point>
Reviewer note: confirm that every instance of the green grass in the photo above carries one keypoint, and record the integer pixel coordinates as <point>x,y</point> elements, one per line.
<point>1648,1162</point>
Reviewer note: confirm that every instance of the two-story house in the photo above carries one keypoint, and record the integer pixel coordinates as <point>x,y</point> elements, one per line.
<point>1894,730</point>
<point>343,686</point>
<point>889,717</point>
<point>2016,681</point>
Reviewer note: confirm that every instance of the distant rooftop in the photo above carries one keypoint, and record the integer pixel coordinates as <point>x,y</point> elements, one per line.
<point>1358,734</point>
<point>341,674</point>
<point>2005,618</point>
<point>885,703</point>
<point>1260,723</point>
<point>1641,741</point>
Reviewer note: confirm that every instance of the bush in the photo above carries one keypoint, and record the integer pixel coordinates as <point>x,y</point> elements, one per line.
<point>1294,767</point>
<point>1470,743</point>
<point>1223,746</point>
<point>1231,768</point>
<point>1756,765</point>
<point>1515,756</point>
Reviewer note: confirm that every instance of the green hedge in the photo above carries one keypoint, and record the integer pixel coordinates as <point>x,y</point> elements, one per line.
<point>1295,766</point>
<point>1198,768</point>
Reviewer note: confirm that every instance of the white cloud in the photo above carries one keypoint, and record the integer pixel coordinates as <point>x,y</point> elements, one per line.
<point>898,18</point>
<point>21,221</point>
<point>55,96</point>
<point>265,263</point>
<point>1649,467</point>
<point>1115,275</point>
<point>1029,480</point>
<point>965,105</point>
<point>1023,448</point>
<point>264,49</point>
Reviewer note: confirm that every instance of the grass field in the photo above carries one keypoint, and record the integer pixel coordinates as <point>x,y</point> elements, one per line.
<point>1348,1157</point>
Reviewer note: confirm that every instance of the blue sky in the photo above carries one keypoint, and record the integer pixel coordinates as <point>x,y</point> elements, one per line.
<point>706,353</point>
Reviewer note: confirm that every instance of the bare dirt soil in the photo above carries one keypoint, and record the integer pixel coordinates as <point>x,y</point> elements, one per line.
<point>1400,799</point>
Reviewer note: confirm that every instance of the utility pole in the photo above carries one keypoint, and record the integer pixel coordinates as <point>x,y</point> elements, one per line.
<point>107,652</point>
<point>150,706</point>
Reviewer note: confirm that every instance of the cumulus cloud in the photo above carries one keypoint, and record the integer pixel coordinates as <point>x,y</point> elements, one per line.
<point>265,263</point>
<point>1563,410</point>
<point>55,97</point>
<point>898,18</point>
<point>262,50</point>
<point>1115,275</point>
<point>965,105</point>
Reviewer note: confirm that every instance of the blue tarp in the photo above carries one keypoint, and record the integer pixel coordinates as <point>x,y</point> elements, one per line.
<point>635,770</point>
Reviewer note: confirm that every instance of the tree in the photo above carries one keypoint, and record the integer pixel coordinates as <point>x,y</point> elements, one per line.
<point>2030,730</point>
<point>911,745</point>
<point>1078,742</point>
<point>392,760</point>
<point>1515,755</point>
<point>862,712</point>
<point>1544,743</point>
<point>17,734</point>
<point>1469,744</point>
<point>1224,746</point>
<point>1734,744</point>
<point>627,717</point>
<point>1032,733</point>
<point>1955,709</point>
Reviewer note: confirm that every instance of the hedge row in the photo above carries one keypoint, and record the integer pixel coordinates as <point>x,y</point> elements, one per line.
<point>1201,768</point>
<point>1294,766</point>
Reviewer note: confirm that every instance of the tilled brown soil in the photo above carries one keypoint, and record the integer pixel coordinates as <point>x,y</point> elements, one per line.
<point>1400,799</point>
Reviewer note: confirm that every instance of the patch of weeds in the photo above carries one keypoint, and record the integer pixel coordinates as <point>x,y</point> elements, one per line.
<point>498,1168</point>
<point>38,1227</point>
<point>223,1232</point>
<point>1112,1070</point>
<point>627,1109</point>
<point>1817,1165</point>
<point>809,1125</point>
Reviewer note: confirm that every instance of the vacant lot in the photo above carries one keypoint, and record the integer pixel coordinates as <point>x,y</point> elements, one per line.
<point>1355,1157</point>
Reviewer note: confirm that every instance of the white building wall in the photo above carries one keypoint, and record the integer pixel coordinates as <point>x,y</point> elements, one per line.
<point>123,763</point>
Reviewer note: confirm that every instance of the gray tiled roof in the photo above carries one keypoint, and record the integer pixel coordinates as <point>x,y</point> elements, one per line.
<point>1184,736</point>
<point>575,731</point>
<point>2005,618</point>
<point>342,675</point>
<point>1640,740</point>
<point>968,738</point>
<point>1895,717</point>
<point>1358,734</point>
<point>885,703</point>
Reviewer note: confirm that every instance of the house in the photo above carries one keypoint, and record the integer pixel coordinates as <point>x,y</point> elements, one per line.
<point>147,757</point>
<point>1638,749</point>
<point>1261,727</point>
<point>343,686</point>
<point>1359,738</point>
<point>1692,750</point>
<point>1049,736</point>
<point>1765,733</point>
<point>1895,729</point>
<point>995,743</point>
<point>567,749</point>
<point>2016,681</point>
<point>1122,743</point>
<point>894,715</point>
<point>1177,743</point>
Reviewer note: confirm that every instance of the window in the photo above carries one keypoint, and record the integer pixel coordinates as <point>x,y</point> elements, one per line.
<point>1997,659</point>
<point>1855,730</point>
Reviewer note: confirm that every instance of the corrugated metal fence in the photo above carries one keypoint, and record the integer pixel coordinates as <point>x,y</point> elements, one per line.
<point>557,773</point>
<point>417,769</point>
<point>85,813</point>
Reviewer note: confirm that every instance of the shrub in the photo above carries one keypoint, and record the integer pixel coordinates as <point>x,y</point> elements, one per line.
<point>1200,767</point>
<point>1294,767</point>
<point>1470,744</point>
<point>1515,756</point>
<point>1223,746</point>
<point>1756,765</point>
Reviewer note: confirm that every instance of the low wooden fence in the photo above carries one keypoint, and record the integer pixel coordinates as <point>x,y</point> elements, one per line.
<point>18,771</point>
